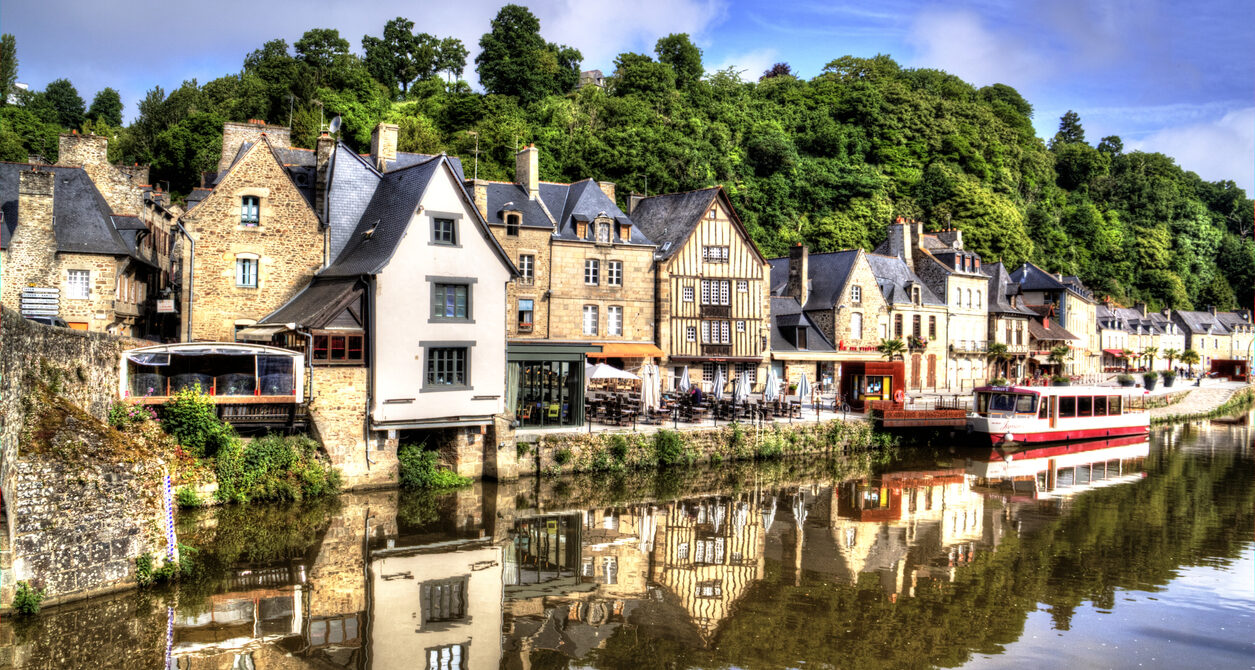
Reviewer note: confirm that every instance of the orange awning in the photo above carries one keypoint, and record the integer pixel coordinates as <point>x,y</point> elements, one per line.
<point>626,350</point>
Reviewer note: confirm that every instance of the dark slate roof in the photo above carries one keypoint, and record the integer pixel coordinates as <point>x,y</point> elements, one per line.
<point>319,303</point>
<point>893,275</point>
<point>668,219</point>
<point>1001,288</point>
<point>1201,322</point>
<point>388,215</point>
<point>1232,319</point>
<point>827,271</point>
<point>1038,330</point>
<point>787,313</point>
<point>84,221</point>
<point>1032,278</point>
<point>406,159</point>
<point>567,203</point>
<point>127,223</point>
<point>514,197</point>
<point>196,196</point>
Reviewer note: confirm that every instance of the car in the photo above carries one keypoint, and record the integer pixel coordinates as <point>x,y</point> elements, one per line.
<point>50,321</point>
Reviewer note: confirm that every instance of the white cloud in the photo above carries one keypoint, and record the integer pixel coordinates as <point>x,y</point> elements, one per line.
<point>960,43</point>
<point>750,64</point>
<point>603,30</point>
<point>1216,150</point>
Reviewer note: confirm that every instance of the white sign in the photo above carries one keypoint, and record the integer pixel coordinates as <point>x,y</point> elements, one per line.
<point>165,306</point>
<point>32,311</point>
<point>36,289</point>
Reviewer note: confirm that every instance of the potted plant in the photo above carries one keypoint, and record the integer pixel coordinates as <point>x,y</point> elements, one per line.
<point>1060,380</point>
<point>1169,377</point>
<point>1149,379</point>
<point>998,381</point>
<point>1125,379</point>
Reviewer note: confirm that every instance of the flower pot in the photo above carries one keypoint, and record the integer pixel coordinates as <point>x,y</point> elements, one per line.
<point>1126,382</point>
<point>1168,382</point>
<point>1064,382</point>
<point>1150,383</point>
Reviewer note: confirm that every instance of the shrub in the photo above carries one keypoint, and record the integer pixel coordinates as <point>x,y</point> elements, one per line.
<point>1168,375</point>
<point>1060,380</point>
<point>191,418</point>
<point>186,497</point>
<point>737,439</point>
<point>669,448</point>
<point>1124,378</point>
<point>421,469</point>
<point>562,456</point>
<point>618,448</point>
<point>171,571</point>
<point>274,467</point>
<point>26,599</point>
<point>123,415</point>
<point>998,381</point>
<point>770,447</point>
<point>1149,378</point>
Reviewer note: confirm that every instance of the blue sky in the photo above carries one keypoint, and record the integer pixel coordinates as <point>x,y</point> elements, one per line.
<point>1172,77</point>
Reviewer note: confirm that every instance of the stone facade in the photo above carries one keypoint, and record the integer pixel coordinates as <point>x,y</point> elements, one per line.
<point>234,135</point>
<point>534,242</point>
<point>337,412</point>
<point>122,187</point>
<point>287,245</point>
<point>570,293</point>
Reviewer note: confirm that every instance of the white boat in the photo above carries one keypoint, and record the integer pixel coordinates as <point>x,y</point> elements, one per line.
<point>1034,414</point>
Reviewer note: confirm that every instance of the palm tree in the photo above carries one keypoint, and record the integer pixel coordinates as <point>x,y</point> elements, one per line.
<point>1189,357</point>
<point>997,353</point>
<point>1058,355</point>
<point>1171,355</point>
<point>892,349</point>
<point>1126,355</point>
<point>1149,354</point>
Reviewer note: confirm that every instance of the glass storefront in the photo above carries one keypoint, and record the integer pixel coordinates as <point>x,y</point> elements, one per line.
<point>550,393</point>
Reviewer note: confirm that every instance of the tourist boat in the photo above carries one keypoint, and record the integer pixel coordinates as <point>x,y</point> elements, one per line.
<point>1023,415</point>
<point>1038,472</point>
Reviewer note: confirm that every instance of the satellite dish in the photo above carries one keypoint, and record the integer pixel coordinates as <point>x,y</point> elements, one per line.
<point>334,126</point>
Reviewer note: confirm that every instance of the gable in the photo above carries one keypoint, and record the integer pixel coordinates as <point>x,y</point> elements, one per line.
<point>256,172</point>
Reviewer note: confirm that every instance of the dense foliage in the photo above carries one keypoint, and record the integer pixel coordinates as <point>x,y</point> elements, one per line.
<point>827,161</point>
<point>421,469</point>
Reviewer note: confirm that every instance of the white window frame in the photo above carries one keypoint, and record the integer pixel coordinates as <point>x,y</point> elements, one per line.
<point>856,293</point>
<point>242,261</point>
<point>742,286</point>
<point>592,272</point>
<point>687,293</point>
<point>614,273</point>
<point>527,268</point>
<point>590,319</point>
<point>690,333</point>
<point>614,320</point>
<point>78,284</point>
<point>740,326</point>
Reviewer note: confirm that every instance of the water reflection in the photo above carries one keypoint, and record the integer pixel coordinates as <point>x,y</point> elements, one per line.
<point>927,562</point>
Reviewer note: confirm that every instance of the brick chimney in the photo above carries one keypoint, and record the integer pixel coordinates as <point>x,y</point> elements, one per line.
<point>799,273</point>
<point>634,199</point>
<point>79,150</point>
<point>607,187</point>
<point>323,150</point>
<point>527,170</point>
<point>383,144</point>
<point>478,188</point>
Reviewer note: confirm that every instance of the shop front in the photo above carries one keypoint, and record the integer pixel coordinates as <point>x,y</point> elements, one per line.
<point>864,381</point>
<point>545,382</point>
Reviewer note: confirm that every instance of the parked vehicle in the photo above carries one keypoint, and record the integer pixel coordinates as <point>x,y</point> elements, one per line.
<point>50,321</point>
<point>1016,414</point>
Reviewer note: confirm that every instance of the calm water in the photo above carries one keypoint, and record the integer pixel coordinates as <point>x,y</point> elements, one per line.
<point>1121,554</point>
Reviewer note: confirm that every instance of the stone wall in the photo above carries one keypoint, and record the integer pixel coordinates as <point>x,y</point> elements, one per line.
<point>119,631</point>
<point>533,242</point>
<point>337,413</point>
<point>121,187</point>
<point>236,134</point>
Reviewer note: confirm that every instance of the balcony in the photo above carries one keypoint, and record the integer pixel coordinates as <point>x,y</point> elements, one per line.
<point>969,346</point>
<point>1017,348</point>
<point>121,308</point>
<point>716,311</point>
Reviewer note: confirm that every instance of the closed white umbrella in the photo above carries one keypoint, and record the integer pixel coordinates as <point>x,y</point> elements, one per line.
<point>685,385</point>
<point>771,390</point>
<point>649,386</point>
<point>742,391</point>
<point>719,382</point>
<point>803,388</point>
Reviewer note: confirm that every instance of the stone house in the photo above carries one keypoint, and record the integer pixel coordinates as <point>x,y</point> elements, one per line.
<point>1045,332</point>
<point>954,275</point>
<point>1008,321</point>
<point>712,299</point>
<point>1206,332</point>
<point>918,317</point>
<point>1240,331</point>
<point>1075,310</point>
<point>585,285</point>
<point>838,296</point>
<point>1136,329</point>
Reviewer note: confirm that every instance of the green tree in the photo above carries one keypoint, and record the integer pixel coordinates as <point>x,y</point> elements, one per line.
<point>64,103</point>
<point>1171,354</point>
<point>515,60</point>
<point>1190,358</point>
<point>323,50</point>
<point>8,66</point>
<point>892,349</point>
<point>997,353</point>
<point>106,107</point>
<point>678,51</point>
<point>1070,130</point>
<point>777,70</point>
<point>1058,355</point>
<point>452,58</point>
<point>638,74</point>
<point>1111,145</point>
<point>1149,354</point>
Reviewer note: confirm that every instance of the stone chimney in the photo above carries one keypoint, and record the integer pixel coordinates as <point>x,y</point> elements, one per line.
<point>799,273</point>
<point>383,144</point>
<point>35,240</point>
<point>1141,307</point>
<point>607,187</point>
<point>234,135</point>
<point>900,242</point>
<point>634,199</point>
<point>1212,309</point>
<point>79,150</point>
<point>527,170</point>
<point>478,189</point>
<point>323,150</point>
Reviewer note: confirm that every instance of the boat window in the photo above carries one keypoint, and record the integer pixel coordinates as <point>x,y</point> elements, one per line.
<point>982,403</point>
<point>1067,407</point>
<point>1024,403</point>
<point>1065,477</point>
<point>1002,402</point>
<point>1085,406</point>
<point>1044,411</point>
<point>1100,405</point>
<point>1113,405</point>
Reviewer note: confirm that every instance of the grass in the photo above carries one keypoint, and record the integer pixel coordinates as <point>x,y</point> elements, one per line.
<point>1238,402</point>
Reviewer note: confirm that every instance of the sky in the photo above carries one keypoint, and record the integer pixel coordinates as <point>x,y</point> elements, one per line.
<point>1174,77</point>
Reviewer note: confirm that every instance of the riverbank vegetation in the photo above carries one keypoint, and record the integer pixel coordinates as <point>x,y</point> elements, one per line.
<point>828,159</point>
<point>1239,402</point>
<point>422,469</point>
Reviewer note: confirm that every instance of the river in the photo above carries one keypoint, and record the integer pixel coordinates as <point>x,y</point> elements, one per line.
<point>1108,554</point>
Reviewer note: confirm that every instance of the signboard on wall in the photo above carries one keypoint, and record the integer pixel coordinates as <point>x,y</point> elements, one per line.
<point>40,301</point>
<point>165,306</point>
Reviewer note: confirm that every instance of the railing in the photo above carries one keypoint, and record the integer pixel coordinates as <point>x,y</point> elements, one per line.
<point>125,308</point>
<point>260,414</point>
<point>970,346</point>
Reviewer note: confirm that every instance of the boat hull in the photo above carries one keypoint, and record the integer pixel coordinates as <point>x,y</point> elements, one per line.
<point>1066,435</point>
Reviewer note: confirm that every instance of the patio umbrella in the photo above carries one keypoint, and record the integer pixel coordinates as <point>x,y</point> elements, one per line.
<point>649,386</point>
<point>771,390</point>
<point>803,388</point>
<point>769,516</point>
<point>742,391</point>
<point>603,371</point>
<point>685,385</point>
<point>719,382</point>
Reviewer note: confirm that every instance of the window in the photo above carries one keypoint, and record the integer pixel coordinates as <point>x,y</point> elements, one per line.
<point>916,328</point>
<point>688,292</point>
<point>709,369</point>
<point>715,254</point>
<point>592,272</point>
<point>711,214</point>
<point>740,326</point>
<point>1067,407</point>
<point>603,232</point>
<point>590,319</point>
<point>246,272</point>
<point>958,297</point>
<point>690,333</point>
<point>856,293</point>
<point>932,327</point>
<point>525,314</point>
<point>527,269</point>
<point>614,273</point>
<point>715,292</point>
<point>450,301</point>
<point>444,600</point>
<point>444,231</point>
<point>512,225</point>
<point>330,348</point>
<point>742,286</point>
<point>682,551</point>
<point>614,320</point>
<point>250,211</point>
<point>856,326</point>
<point>750,369</point>
<point>801,338</point>
<point>448,657</point>
<point>79,282</point>
<point>978,298</point>
<point>710,589</point>
<point>716,332</point>
<point>446,366</point>
<point>897,326</point>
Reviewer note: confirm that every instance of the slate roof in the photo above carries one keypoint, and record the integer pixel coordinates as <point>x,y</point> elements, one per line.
<point>893,276</point>
<point>567,203</point>
<point>1201,322</point>
<point>1037,328</point>
<point>1231,320</point>
<point>1033,278</point>
<point>196,197</point>
<point>787,313</point>
<point>668,219</point>
<point>406,159</point>
<point>84,221</point>
<point>318,303</point>
<point>828,272</point>
<point>1001,288</point>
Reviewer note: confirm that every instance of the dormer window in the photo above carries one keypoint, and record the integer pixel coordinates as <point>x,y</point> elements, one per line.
<point>512,225</point>
<point>801,337</point>
<point>581,229</point>
<point>916,295</point>
<point>603,232</point>
<point>250,211</point>
<point>625,232</point>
